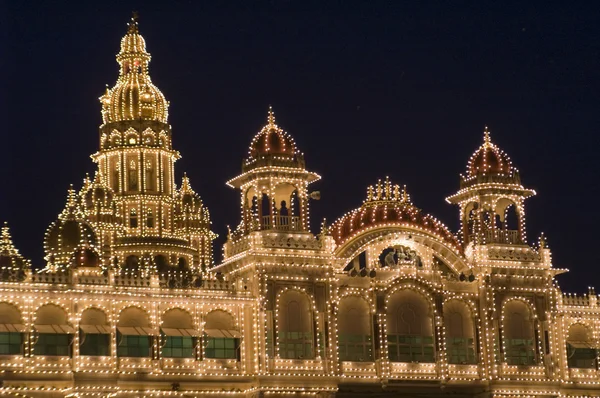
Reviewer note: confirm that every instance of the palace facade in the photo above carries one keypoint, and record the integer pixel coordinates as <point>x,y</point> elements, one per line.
<point>385,301</point>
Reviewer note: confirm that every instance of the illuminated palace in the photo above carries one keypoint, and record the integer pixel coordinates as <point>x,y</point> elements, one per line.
<point>385,301</point>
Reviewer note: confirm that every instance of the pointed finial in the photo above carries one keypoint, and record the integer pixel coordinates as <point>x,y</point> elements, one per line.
<point>185,184</point>
<point>271,117</point>
<point>132,27</point>
<point>486,136</point>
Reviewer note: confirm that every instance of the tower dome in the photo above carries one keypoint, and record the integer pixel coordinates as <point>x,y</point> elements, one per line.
<point>488,164</point>
<point>97,194</point>
<point>272,143</point>
<point>489,159</point>
<point>133,97</point>
<point>70,238</point>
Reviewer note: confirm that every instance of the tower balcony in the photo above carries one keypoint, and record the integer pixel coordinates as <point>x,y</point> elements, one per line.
<point>281,223</point>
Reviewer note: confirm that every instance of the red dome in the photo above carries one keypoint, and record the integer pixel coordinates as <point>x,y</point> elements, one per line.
<point>387,205</point>
<point>489,159</point>
<point>272,140</point>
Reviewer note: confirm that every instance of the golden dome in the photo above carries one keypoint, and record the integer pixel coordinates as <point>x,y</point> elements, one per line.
<point>133,97</point>
<point>68,235</point>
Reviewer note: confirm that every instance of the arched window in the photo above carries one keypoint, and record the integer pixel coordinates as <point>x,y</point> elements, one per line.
<point>182,263</point>
<point>134,335</point>
<point>53,335</point>
<point>132,176</point>
<point>178,336</point>
<point>161,263</point>
<point>355,342</point>
<point>150,219</point>
<point>295,326</point>
<point>11,330</point>
<point>94,333</point>
<point>409,328</point>
<point>222,337</point>
<point>133,219</point>
<point>519,334</point>
<point>460,333</point>
<point>150,176</point>
<point>581,352</point>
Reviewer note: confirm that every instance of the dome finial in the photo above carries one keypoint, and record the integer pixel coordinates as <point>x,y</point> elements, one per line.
<point>486,136</point>
<point>132,27</point>
<point>271,117</point>
<point>185,184</point>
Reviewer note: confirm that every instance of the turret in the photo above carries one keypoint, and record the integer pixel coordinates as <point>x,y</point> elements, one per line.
<point>274,183</point>
<point>491,198</point>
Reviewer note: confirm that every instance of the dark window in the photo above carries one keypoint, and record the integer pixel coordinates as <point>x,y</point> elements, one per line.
<point>581,357</point>
<point>11,343</point>
<point>520,352</point>
<point>178,347</point>
<point>355,347</point>
<point>221,348</point>
<point>97,345</point>
<point>410,348</point>
<point>460,350</point>
<point>53,345</point>
<point>296,345</point>
<point>134,346</point>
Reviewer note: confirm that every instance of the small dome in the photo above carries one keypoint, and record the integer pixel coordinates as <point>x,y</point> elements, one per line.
<point>134,97</point>
<point>388,205</point>
<point>272,140</point>
<point>68,235</point>
<point>488,159</point>
<point>97,193</point>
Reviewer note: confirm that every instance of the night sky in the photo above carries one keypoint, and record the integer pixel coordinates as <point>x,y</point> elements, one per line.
<point>367,89</point>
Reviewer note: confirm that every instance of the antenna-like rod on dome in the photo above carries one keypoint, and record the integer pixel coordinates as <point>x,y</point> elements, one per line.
<point>271,117</point>
<point>132,27</point>
<point>486,136</point>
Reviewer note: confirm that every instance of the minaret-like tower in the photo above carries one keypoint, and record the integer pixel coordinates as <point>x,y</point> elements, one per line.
<point>491,198</point>
<point>133,199</point>
<point>136,156</point>
<point>274,183</point>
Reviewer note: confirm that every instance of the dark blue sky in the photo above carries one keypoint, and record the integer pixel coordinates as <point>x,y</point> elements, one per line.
<point>367,89</point>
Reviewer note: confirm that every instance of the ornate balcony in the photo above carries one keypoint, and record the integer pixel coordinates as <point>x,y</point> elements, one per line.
<point>281,223</point>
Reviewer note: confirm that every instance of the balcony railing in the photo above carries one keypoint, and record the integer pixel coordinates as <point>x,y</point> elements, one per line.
<point>503,236</point>
<point>282,223</point>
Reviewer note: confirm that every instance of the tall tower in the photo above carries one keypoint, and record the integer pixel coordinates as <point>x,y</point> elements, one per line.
<point>491,198</point>
<point>136,167</point>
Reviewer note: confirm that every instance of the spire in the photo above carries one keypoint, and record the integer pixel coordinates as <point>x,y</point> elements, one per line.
<point>487,140</point>
<point>6,243</point>
<point>12,264</point>
<point>186,187</point>
<point>132,27</point>
<point>72,207</point>
<point>271,118</point>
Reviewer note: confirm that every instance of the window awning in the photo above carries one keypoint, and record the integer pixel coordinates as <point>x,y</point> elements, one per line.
<point>135,331</point>
<point>222,333</point>
<point>95,329</point>
<point>54,329</point>
<point>180,332</point>
<point>580,344</point>
<point>12,328</point>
